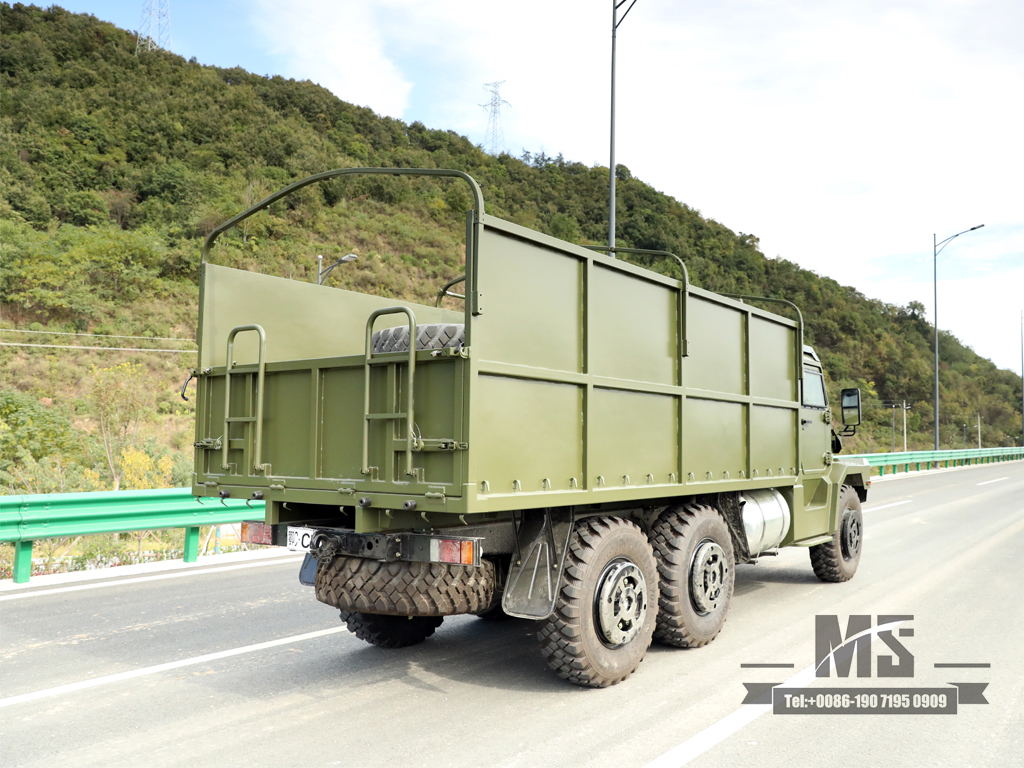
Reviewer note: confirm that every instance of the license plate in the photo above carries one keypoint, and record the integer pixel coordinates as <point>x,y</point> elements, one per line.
<point>299,538</point>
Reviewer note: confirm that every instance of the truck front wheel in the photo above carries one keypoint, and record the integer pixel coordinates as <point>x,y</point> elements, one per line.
<point>837,560</point>
<point>606,606</point>
<point>697,573</point>
<point>390,631</point>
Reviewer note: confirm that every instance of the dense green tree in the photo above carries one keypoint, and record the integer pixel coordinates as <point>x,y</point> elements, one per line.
<point>114,166</point>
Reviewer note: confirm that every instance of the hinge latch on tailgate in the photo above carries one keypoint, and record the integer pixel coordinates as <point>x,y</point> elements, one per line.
<point>443,444</point>
<point>462,351</point>
<point>209,443</point>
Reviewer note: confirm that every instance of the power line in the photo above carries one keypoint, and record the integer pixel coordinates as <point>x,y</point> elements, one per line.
<point>494,138</point>
<point>111,349</point>
<point>155,27</point>
<point>97,335</point>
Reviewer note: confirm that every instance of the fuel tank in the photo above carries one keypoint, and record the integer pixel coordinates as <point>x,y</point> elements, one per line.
<point>766,519</point>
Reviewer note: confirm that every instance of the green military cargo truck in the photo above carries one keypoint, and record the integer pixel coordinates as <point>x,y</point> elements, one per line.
<point>582,441</point>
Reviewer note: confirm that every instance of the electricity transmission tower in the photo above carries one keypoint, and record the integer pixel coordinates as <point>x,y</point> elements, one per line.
<point>494,140</point>
<point>155,28</point>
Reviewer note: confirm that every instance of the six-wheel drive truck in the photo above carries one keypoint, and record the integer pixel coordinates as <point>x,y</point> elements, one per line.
<point>587,443</point>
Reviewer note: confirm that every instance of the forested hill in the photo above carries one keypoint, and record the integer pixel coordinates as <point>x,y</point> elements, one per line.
<point>114,166</point>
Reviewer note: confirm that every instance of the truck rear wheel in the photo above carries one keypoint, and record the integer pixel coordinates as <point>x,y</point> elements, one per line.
<point>605,610</point>
<point>390,631</point>
<point>837,560</point>
<point>696,571</point>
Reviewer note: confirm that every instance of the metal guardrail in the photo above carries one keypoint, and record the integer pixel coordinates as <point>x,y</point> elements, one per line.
<point>936,458</point>
<point>24,519</point>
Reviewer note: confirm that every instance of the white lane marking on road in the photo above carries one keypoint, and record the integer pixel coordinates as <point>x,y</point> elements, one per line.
<point>697,745</point>
<point>886,506</point>
<point>92,683</point>
<point>157,577</point>
<point>997,480</point>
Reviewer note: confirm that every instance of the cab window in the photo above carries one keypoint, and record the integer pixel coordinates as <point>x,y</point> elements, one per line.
<point>814,389</point>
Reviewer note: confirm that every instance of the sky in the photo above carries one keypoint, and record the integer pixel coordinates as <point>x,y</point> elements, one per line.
<point>844,134</point>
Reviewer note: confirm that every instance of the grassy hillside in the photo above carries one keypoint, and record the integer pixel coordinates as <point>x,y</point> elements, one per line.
<point>114,167</point>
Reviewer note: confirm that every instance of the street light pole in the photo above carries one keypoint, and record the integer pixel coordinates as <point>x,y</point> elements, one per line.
<point>904,426</point>
<point>321,273</point>
<point>894,429</point>
<point>936,250</point>
<point>616,21</point>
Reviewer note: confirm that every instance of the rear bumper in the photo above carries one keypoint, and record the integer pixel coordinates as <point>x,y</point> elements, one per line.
<point>397,547</point>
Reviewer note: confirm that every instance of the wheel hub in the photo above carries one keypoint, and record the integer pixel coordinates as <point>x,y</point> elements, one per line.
<point>709,571</point>
<point>851,534</point>
<point>621,603</point>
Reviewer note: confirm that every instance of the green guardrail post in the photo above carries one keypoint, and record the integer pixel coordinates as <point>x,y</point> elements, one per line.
<point>22,561</point>
<point>192,544</point>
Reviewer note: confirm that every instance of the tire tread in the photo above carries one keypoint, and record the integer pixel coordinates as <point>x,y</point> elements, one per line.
<point>428,336</point>
<point>402,588</point>
<point>561,636</point>
<point>826,559</point>
<point>670,537</point>
<point>390,631</point>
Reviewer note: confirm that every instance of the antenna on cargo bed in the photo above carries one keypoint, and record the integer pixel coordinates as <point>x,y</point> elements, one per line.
<point>156,17</point>
<point>494,138</point>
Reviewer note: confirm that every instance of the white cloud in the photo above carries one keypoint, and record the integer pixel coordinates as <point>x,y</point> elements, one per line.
<point>338,45</point>
<point>842,134</point>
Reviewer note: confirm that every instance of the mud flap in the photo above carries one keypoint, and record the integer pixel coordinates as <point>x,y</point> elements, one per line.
<point>542,540</point>
<point>307,572</point>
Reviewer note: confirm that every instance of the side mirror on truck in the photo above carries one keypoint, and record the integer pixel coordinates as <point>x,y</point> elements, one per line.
<point>849,405</point>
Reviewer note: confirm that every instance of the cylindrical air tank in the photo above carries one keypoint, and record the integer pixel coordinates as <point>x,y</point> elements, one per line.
<point>766,519</point>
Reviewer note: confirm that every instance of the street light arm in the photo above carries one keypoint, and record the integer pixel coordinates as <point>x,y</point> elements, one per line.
<point>626,13</point>
<point>944,243</point>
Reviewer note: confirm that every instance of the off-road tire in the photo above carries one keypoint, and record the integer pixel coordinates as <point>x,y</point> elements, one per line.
<point>390,631</point>
<point>569,638</point>
<point>676,535</point>
<point>834,561</point>
<point>356,584</point>
<point>428,336</point>
<point>494,611</point>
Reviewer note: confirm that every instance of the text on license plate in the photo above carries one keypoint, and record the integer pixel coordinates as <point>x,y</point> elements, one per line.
<point>299,538</point>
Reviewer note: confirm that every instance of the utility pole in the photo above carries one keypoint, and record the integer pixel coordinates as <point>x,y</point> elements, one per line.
<point>893,429</point>
<point>979,430</point>
<point>616,21</point>
<point>494,138</point>
<point>905,426</point>
<point>965,434</point>
<point>155,27</point>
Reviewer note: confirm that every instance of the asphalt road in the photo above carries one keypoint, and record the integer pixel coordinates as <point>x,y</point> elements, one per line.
<point>78,685</point>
